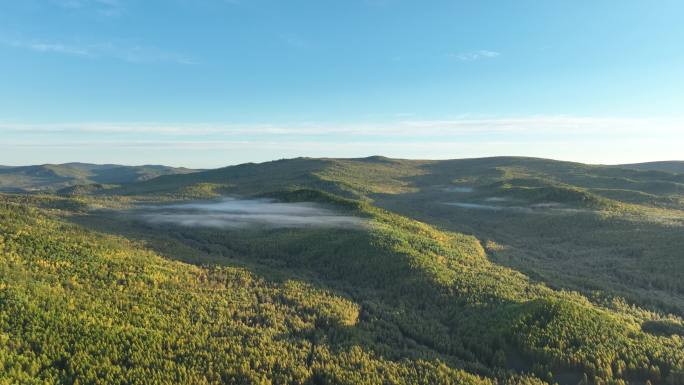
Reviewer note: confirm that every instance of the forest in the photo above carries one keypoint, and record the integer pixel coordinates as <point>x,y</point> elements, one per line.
<point>569,275</point>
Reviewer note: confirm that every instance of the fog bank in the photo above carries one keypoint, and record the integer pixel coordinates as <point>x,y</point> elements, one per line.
<point>240,213</point>
<point>539,208</point>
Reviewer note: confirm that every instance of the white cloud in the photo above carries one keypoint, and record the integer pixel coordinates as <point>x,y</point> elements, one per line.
<point>101,7</point>
<point>530,125</point>
<point>584,139</point>
<point>125,51</point>
<point>52,47</point>
<point>475,55</point>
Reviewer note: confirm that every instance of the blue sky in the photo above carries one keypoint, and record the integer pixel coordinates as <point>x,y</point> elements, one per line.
<point>207,83</point>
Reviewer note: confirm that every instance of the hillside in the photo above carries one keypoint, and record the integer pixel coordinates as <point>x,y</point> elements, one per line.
<point>585,227</point>
<point>57,176</point>
<point>392,299</point>
<point>349,271</point>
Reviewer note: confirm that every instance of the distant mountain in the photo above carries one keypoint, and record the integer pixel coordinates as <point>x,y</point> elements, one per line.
<point>676,166</point>
<point>59,176</point>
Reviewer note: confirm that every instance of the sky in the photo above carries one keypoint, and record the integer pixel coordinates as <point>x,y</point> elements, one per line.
<point>210,83</point>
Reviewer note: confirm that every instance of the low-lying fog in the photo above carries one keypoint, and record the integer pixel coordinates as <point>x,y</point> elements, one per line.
<point>538,208</point>
<point>459,189</point>
<point>240,213</point>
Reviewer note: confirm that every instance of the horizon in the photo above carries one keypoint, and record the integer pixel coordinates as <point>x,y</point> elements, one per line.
<point>212,83</point>
<point>343,158</point>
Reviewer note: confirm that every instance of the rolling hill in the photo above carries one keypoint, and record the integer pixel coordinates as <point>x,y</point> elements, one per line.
<point>586,227</point>
<point>361,177</point>
<point>57,176</point>
<point>477,271</point>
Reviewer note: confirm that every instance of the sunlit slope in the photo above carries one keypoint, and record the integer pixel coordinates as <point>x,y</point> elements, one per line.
<point>78,307</point>
<point>397,296</point>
